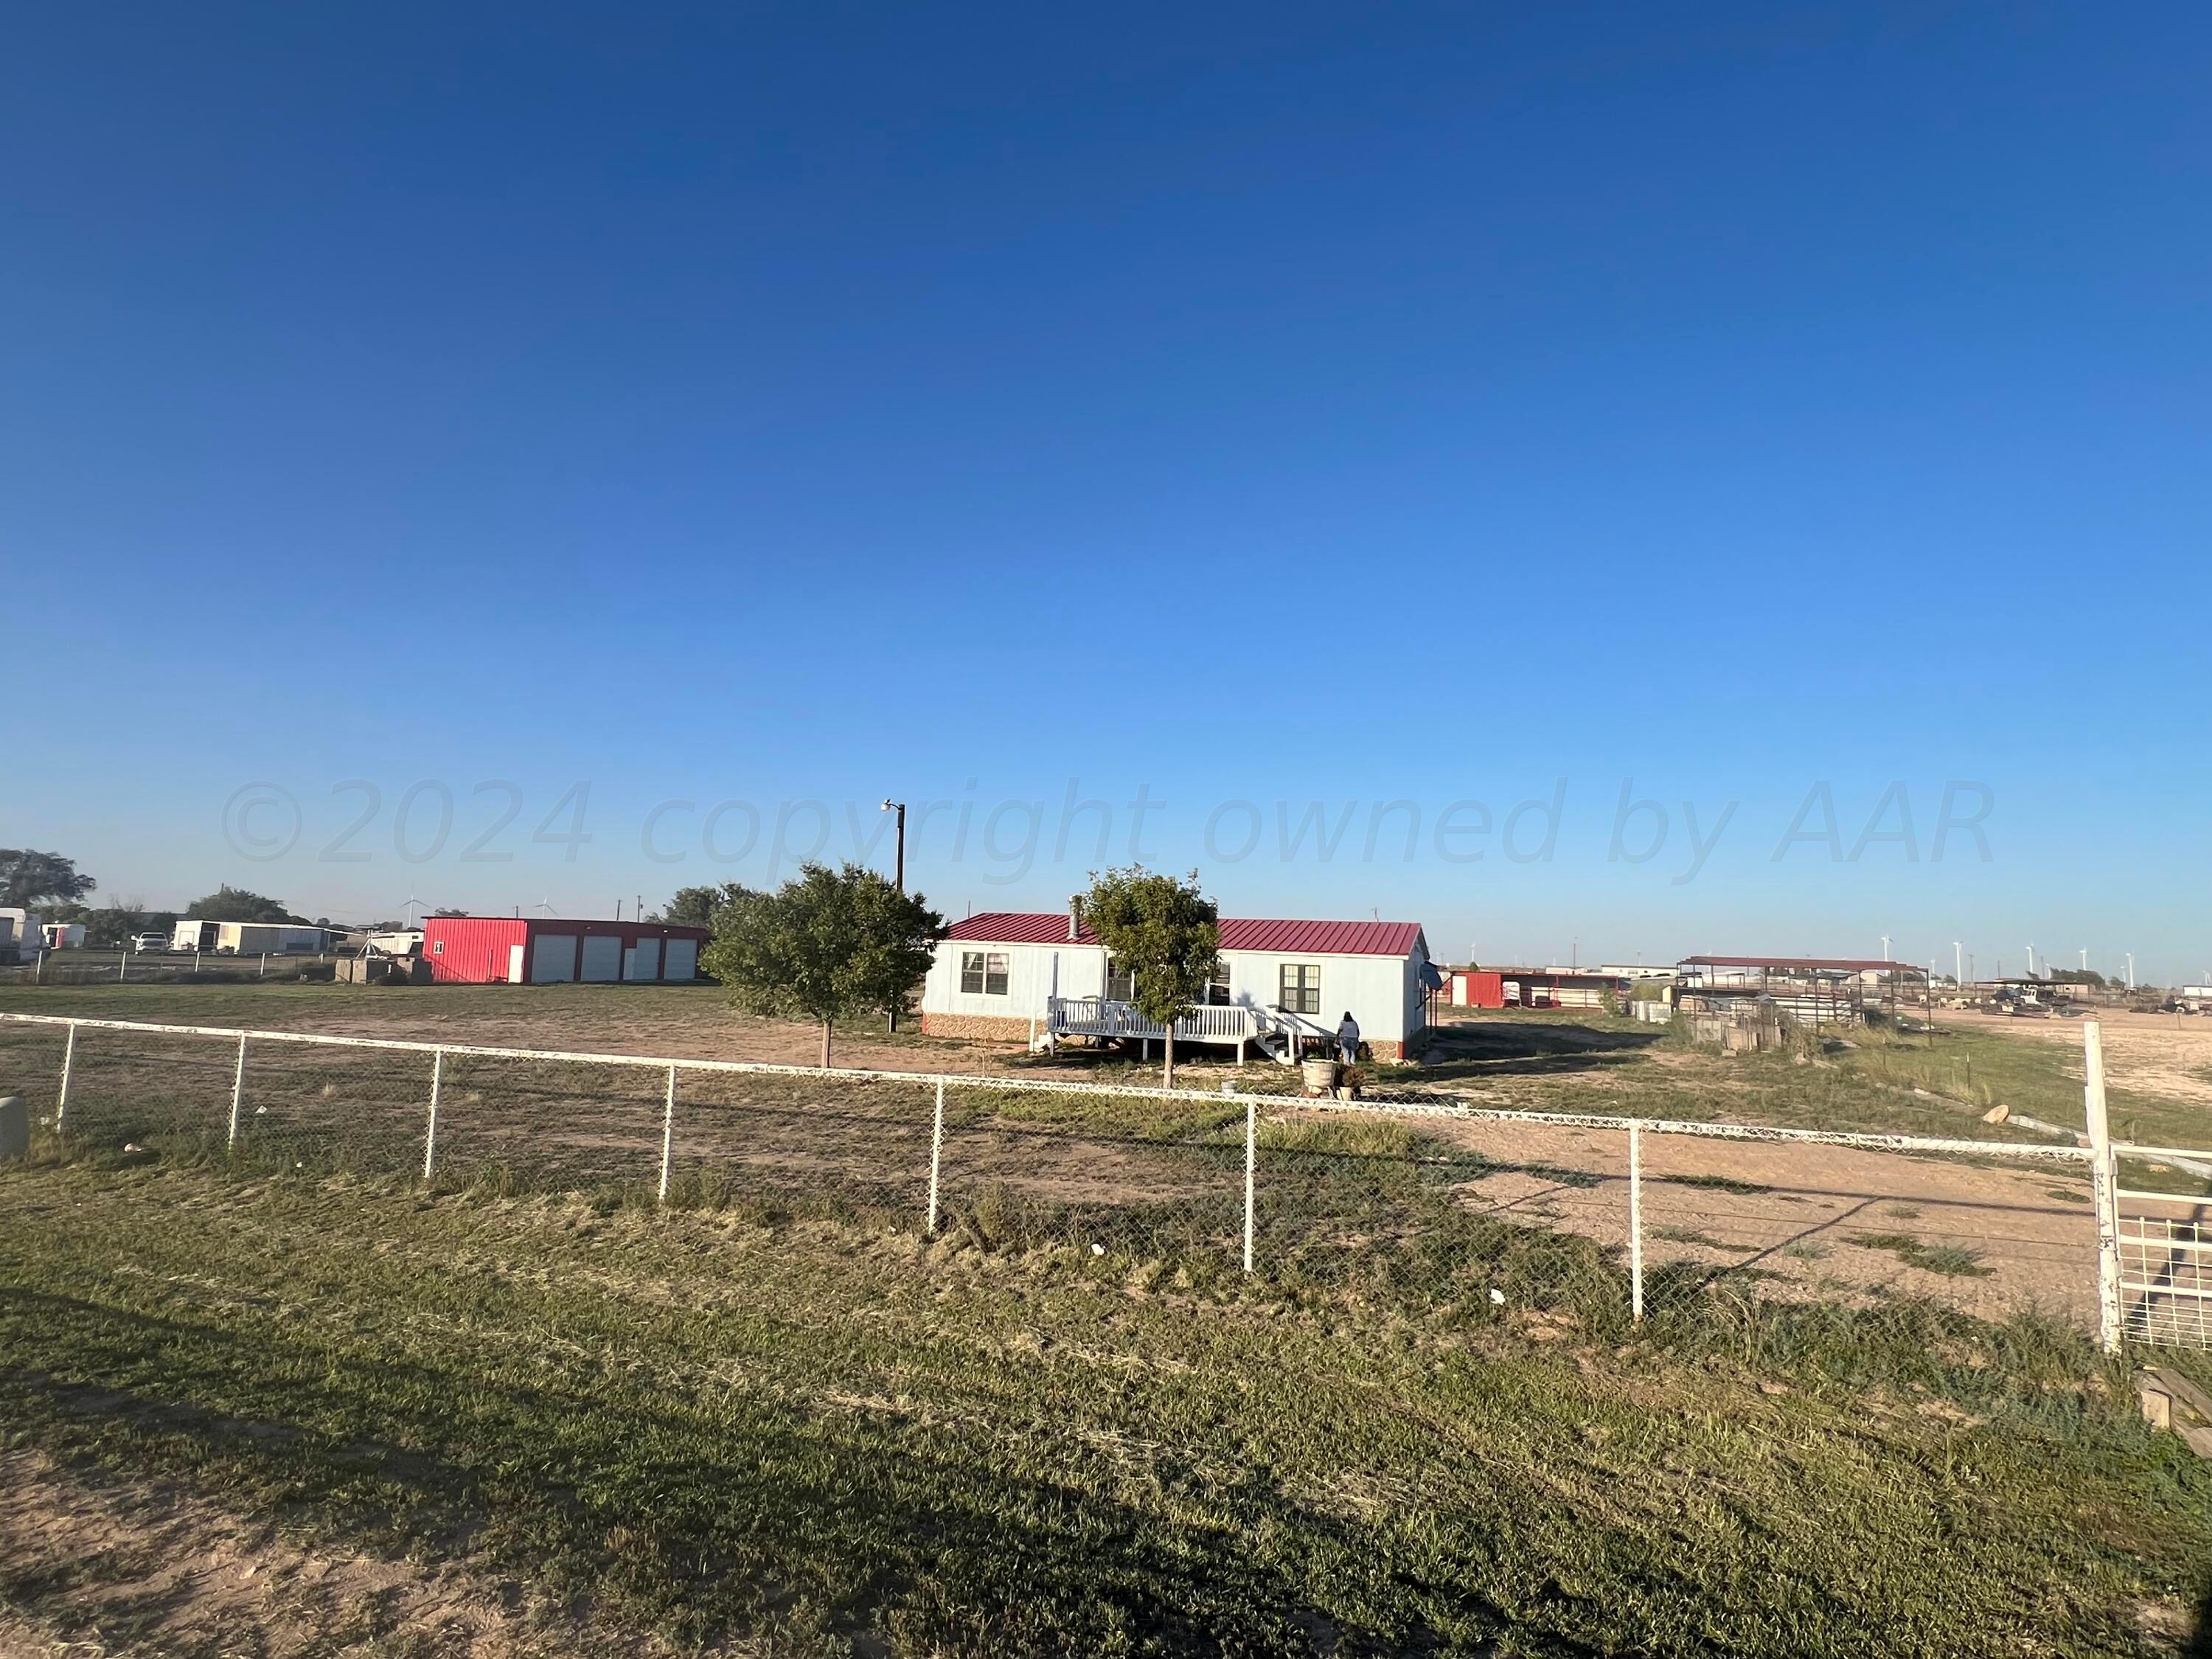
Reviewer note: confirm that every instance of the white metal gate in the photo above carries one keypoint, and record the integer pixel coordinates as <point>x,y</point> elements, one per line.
<point>2165,1266</point>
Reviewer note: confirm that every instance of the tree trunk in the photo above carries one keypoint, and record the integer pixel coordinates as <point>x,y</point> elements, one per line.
<point>1170,1076</point>
<point>825,1045</point>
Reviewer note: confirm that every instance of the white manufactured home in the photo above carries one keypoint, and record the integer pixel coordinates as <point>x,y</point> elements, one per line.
<point>1043,977</point>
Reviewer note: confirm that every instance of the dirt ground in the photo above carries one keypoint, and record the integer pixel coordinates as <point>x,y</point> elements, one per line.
<point>117,1569</point>
<point>1790,1219</point>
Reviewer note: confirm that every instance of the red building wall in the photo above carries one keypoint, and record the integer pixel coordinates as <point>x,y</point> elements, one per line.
<point>470,950</point>
<point>1483,990</point>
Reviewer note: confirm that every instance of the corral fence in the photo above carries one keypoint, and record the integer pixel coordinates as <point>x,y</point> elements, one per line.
<point>1553,1216</point>
<point>102,966</point>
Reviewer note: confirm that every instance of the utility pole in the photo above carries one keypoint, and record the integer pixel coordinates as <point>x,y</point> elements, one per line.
<point>898,868</point>
<point>898,875</point>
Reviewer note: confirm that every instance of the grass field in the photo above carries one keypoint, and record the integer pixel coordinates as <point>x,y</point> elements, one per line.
<point>526,1410</point>
<point>606,1429</point>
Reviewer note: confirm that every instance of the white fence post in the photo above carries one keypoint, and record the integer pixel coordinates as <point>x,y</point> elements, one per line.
<point>69,1069</point>
<point>123,964</point>
<point>936,1152</point>
<point>1251,1162</point>
<point>668,1136</point>
<point>2104,1181</point>
<point>430,1136</point>
<point>265,964</point>
<point>237,1090</point>
<point>1636,1221</point>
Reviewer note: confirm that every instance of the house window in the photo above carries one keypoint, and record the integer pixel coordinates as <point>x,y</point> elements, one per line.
<point>1217,988</point>
<point>1301,988</point>
<point>983,973</point>
<point>437,947</point>
<point>1120,983</point>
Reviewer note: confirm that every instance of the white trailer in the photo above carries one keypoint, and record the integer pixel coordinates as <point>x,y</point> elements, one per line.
<point>64,935</point>
<point>20,934</point>
<point>194,935</point>
<point>254,939</point>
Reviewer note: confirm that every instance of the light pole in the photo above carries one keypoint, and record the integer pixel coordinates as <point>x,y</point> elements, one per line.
<point>898,868</point>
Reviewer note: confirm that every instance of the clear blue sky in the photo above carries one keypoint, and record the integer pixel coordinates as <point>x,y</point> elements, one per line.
<point>1253,404</point>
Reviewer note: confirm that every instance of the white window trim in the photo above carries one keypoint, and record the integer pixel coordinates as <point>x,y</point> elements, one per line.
<point>983,958</point>
<point>1282,998</point>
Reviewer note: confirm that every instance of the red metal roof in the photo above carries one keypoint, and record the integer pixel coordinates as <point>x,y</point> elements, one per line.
<point>1807,964</point>
<point>1320,939</point>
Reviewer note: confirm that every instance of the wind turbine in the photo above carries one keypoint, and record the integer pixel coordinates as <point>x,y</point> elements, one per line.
<point>1885,947</point>
<point>2131,970</point>
<point>1958,962</point>
<point>2030,962</point>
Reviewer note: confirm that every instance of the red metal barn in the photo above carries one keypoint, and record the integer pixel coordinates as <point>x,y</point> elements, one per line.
<point>540,951</point>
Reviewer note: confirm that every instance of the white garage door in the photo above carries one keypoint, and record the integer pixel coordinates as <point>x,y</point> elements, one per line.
<point>602,958</point>
<point>553,959</point>
<point>683,959</point>
<point>642,960</point>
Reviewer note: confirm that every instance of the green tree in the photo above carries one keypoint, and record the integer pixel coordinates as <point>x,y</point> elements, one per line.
<point>830,946</point>
<point>1163,933</point>
<point>228,903</point>
<point>110,926</point>
<point>30,878</point>
<point>694,907</point>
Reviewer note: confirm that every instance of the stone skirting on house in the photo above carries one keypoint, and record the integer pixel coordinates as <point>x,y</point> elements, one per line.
<point>991,1028</point>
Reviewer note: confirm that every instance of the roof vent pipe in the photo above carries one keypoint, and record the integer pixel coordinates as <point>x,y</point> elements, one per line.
<point>1075,915</point>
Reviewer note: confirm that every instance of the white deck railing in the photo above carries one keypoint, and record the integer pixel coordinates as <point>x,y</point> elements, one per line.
<point>1108,1017</point>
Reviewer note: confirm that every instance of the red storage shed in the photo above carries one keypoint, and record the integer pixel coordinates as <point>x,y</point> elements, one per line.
<point>1473,988</point>
<point>540,951</point>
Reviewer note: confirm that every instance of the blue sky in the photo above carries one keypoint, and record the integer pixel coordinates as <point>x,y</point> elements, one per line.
<point>1244,405</point>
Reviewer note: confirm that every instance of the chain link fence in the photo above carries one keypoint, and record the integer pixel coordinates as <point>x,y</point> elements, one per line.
<point>1446,1208</point>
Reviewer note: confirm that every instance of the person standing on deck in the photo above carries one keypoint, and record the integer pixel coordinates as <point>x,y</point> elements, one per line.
<point>1347,1038</point>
